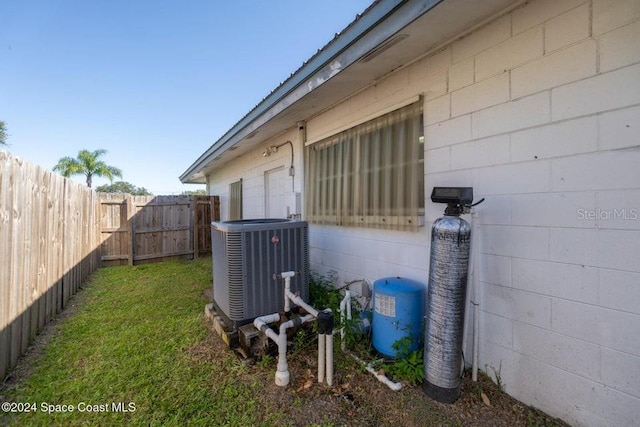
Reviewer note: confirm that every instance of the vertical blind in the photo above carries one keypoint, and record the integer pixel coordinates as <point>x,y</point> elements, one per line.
<point>371,175</point>
<point>235,200</point>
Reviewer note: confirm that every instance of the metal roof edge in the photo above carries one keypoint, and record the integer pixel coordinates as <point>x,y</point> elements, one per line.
<point>357,29</point>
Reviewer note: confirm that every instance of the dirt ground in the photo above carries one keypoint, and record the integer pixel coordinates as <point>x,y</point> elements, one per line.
<point>358,399</point>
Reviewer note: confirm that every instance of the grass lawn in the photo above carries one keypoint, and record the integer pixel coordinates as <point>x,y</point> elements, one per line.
<point>130,342</point>
<point>134,348</point>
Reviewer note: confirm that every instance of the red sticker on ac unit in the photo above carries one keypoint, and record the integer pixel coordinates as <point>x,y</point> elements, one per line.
<point>275,239</point>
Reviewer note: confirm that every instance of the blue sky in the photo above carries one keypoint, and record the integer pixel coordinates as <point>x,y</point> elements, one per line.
<point>153,82</point>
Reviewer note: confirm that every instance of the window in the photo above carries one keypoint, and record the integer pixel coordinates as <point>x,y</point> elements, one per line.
<point>371,175</point>
<point>235,200</point>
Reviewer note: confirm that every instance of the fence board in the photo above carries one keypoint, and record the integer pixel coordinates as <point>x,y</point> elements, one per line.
<point>206,210</point>
<point>48,246</point>
<point>16,266</point>
<point>54,232</point>
<point>115,229</point>
<point>6,229</point>
<point>155,228</point>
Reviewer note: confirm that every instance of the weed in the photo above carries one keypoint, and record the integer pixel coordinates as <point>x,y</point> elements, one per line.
<point>304,338</point>
<point>265,362</point>
<point>497,374</point>
<point>408,365</point>
<point>409,368</point>
<point>323,294</point>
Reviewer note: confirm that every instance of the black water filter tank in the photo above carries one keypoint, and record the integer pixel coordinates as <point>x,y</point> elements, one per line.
<point>446,295</point>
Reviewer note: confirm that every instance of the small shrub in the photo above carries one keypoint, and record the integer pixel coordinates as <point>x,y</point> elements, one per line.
<point>323,294</point>
<point>408,365</point>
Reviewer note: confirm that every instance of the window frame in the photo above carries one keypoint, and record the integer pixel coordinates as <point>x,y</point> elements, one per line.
<point>337,166</point>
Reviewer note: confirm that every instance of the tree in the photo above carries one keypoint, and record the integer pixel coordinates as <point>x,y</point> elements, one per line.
<point>87,164</point>
<point>200,192</point>
<point>3,133</point>
<point>123,187</point>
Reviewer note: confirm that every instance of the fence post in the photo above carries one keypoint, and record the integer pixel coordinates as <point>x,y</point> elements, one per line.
<point>130,241</point>
<point>215,208</point>
<point>196,227</point>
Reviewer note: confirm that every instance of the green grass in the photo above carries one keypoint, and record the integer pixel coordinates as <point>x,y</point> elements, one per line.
<point>129,343</point>
<point>138,335</point>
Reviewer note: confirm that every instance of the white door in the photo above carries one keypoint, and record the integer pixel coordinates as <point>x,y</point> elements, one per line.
<point>276,183</point>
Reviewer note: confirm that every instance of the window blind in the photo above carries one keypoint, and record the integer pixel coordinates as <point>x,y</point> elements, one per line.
<point>371,175</point>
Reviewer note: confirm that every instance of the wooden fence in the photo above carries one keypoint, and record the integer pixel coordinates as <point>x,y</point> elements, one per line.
<point>49,244</point>
<point>139,229</point>
<point>54,233</point>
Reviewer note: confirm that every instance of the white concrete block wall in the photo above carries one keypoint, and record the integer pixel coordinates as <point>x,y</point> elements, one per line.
<point>251,168</point>
<point>539,111</point>
<point>355,253</point>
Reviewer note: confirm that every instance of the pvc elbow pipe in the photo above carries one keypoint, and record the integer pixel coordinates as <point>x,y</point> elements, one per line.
<point>382,378</point>
<point>300,302</point>
<point>325,346</point>
<point>263,320</point>
<point>282,372</point>
<point>345,306</point>
<point>261,324</point>
<point>287,275</point>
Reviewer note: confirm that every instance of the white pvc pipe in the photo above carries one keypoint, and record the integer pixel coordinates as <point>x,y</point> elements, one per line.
<point>474,365</point>
<point>346,302</point>
<point>380,377</point>
<point>300,303</point>
<point>321,357</point>
<point>325,344</point>
<point>476,304</point>
<point>329,359</point>
<point>345,310</point>
<point>287,275</point>
<point>468,300</point>
<point>282,372</point>
<point>261,324</point>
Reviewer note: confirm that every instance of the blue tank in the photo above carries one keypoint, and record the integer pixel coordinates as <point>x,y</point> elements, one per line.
<point>398,310</point>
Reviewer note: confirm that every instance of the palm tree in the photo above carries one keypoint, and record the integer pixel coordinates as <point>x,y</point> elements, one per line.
<point>3,133</point>
<point>87,164</point>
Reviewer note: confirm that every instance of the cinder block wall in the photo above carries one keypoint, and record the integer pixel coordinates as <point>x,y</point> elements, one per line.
<point>251,168</point>
<point>539,111</point>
